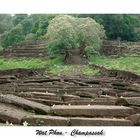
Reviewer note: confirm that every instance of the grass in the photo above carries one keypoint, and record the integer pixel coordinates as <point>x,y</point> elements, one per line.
<point>21,63</point>
<point>1,48</point>
<point>129,63</point>
<point>72,70</point>
<point>56,66</point>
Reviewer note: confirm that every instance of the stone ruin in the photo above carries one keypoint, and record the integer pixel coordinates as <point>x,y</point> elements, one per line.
<point>68,100</point>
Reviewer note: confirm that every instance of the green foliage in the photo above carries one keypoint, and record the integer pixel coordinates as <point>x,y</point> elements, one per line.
<point>72,31</point>
<point>31,36</point>
<point>5,22</point>
<point>13,36</point>
<point>129,63</point>
<point>26,27</point>
<point>1,48</point>
<point>22,63</point>
<point>43,23</point>
<point>18,18</point>
<point>67,32</point>
<point>60,69</point>
<point>56,66</point>
<point>124,26</point>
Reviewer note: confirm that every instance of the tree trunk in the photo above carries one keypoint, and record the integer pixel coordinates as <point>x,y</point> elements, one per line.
<point>75,56</point>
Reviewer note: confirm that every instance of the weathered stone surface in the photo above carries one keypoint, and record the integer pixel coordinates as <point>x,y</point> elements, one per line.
<point>129,94</point>
<point>26,104</point>
<point>105,101</point>
<point>111,48</point>
<point>135,119</point>
<point>133,101</point>
<point>95,101</point>
<point>80,121</point>
<point>106,97</point>
<point>46,102</point>
<point>110,91</point>
<point>3,124</point>
<point>92,110</point>
<point>46,120</point>
<point>42,95</point>
<point>67,97</point>
<point>12,114</point>
<point>22,72</point>
<point>86,94</point>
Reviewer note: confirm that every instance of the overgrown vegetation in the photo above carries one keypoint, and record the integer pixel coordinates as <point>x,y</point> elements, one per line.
<point>72,70</point>
<point>128,63</point>
<point>23,27</point>
<point>22,63</point>
<point>70,35</point>
<point>53,67</point>
<point>123,26</point>
<point>56,66</point>
<point>66,33</point>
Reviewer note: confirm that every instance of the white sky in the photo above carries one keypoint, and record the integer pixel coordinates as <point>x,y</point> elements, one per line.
<point>69,6</point>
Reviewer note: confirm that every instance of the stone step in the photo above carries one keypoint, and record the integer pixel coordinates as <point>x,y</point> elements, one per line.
<point>105,101</point>
<point>85,102</point>
<point>110,91</point>
<point>81,121</point>
<point>68,91</point>
<point>135,89</point>
<point>92,110</point>
<point>12,114</point>
<point>3,124</point>
<point>94,101</point>
<point>129,94</point>
<point>135,118</point>
<point>129,101</point>
<point>28,51</point>
<point>40,80</point>
<point>77,91</point>
<point>7,77</point>
<point>25,104</point>
<point>46,101</point>
<point>44,82</point>
<point>27,54</point>
<point>41,95</point>
<point>86,94</point>
<point>42,120</point>
<point>67,97</point>
<point>63,88</point>
<point>108,97</point>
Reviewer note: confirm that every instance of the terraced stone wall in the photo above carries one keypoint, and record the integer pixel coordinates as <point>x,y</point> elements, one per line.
<point>117,48</point>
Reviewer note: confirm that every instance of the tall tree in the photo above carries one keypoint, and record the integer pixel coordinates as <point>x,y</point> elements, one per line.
<point>5,22</point>
<point>74,36</point>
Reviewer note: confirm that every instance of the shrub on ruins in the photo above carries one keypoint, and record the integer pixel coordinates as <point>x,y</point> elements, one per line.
<point>74,37</point>
<point>31,37</point>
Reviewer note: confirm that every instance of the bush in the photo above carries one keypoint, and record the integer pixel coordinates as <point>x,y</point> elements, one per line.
<point>67,32</point>
<point>31,36</point>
